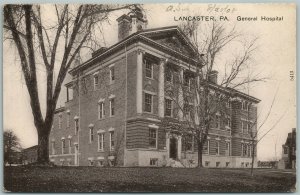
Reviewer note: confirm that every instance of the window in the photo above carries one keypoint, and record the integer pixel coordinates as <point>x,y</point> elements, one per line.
<point>188,142</point>
<point>206,147</point>
<point>59,121</point>
<point>76,126</point>
<point>153,161</point>
<point>217,148</point>
<point>69,93</point>
<point>245,149</point>
<point>217,121</point>
<point>168,107</point>
<point>285,150</point>
<point>96,81</point>
<point>187,110</point>
<point>207,163</point>
<point>111,140</point>
<point>101,110</point>
<point>112,106</point>
<point>228,122</point>
<point>63,146</point>
<point>249,128</point>
<point>244,127</point>
<point>242,149</point>
<point>227,164</point>
<point>100,163</point>
<point>91,134</point>
<point>68,119</point>
<point>245,105</point>
<point>149,69</point>
<point>112,74</point>
<point>53,147</point>
<point>70,146</point>
<point>186,80</point>
<point>227,150</point>
<point>169,75</point>
<point>91,163</point>
<point>217,164</point>
<point>100,142</point>
<point>148,102</point>
<point>152,138</point>
<point>228,103</point>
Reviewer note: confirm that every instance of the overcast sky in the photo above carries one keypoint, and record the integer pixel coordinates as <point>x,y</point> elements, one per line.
<point>275,58</point>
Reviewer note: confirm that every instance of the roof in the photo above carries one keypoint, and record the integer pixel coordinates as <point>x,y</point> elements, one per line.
<point>31,148</point>
<point>143,35</point>
<point>235,92</point>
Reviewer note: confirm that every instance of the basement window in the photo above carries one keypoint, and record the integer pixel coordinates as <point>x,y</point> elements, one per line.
<point>153,161</point>
<point>227,164</point>
<point>207,163</point>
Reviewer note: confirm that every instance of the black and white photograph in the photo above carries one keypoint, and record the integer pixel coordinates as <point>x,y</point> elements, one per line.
<point>154,97</point>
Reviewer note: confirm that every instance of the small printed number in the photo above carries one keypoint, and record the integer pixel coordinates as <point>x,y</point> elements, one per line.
<point>292,76</point>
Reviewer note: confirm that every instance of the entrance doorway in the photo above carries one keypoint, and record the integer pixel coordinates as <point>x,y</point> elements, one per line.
<point>173,148</point>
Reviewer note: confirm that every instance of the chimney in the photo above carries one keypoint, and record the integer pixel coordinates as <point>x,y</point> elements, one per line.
<point>132,22</point>
<point>213,77</point>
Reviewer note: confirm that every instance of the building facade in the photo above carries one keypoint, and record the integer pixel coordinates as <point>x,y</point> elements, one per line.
<point>30,155</point>
<point>116,102</point>
<point>288,160</point>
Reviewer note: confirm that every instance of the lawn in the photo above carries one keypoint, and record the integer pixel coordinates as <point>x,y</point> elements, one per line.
<point>94,179</point>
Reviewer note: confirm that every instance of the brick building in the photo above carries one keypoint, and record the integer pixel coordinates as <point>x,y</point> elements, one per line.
<point>30,155</point>
<point>116,100</point>
<point>288,160</point>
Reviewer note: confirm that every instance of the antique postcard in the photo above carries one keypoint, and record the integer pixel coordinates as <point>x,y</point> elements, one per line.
<point>149,97</point>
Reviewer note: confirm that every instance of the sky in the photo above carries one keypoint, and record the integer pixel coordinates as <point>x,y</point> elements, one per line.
<point>275,58</point>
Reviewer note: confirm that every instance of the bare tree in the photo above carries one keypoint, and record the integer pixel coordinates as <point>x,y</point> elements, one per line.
<point>11,145</point>
<point>258,130</point>
<point>51,37</point>
<point>197,97</point>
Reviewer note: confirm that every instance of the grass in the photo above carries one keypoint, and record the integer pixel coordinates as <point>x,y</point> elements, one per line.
<point>94,179</point>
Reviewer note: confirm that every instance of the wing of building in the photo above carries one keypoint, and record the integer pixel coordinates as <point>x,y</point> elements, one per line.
<point>116,102</point>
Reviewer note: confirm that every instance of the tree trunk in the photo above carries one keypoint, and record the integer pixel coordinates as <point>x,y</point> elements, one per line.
<point>43,146</point>
<point>252,165</point>
<point>199,154</point>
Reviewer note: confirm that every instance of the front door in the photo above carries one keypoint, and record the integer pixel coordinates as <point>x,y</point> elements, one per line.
<point>173,148</point>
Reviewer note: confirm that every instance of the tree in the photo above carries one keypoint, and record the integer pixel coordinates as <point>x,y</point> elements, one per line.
<point>257,131</point>
<point>197,97</point>
<point>11,144</point>
<point>50,45</point>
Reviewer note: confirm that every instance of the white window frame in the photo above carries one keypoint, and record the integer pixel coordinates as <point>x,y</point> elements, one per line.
<point>111,138</point>
<point>156,137</point>
<point>149,62</point>
<point>112,74</point>
<point>171,74</point>
<point>91,134</point>
<point>151,95</point>
<point>100,109</point>
<point>76,126</point>
<point>110,107</point>
<point>218,147</point>
<point>63,144</point>
<point>101,141</point>
<point>168,99</point>
<point>228,147</point>
<point>96,84</point>
<point>208,146</point>
<point>70,145</point>
<point>69,93</point>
